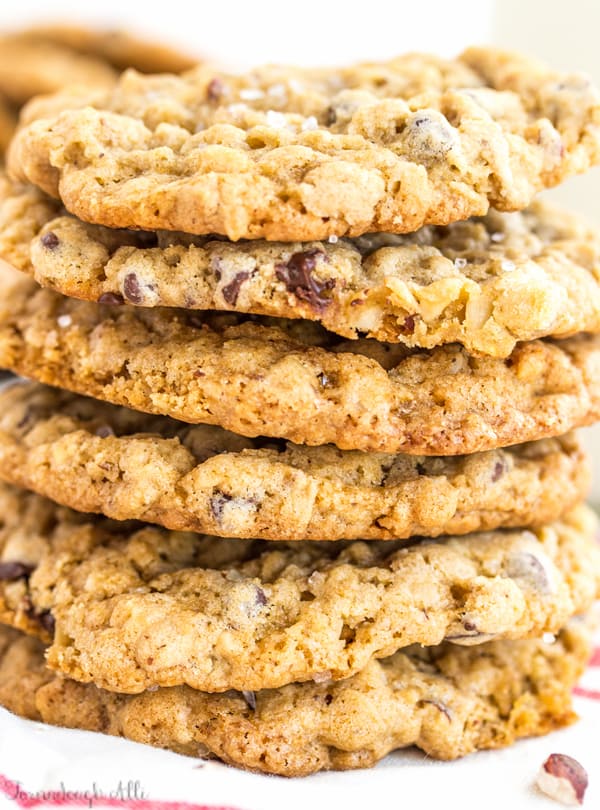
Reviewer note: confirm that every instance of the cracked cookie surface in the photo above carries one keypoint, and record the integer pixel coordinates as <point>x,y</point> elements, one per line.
<point>290,154</point>
<point>96,457</point>
<point>132,607</point>
<point>292,379</point>
<point>448,701</point>
<point>486,283</point>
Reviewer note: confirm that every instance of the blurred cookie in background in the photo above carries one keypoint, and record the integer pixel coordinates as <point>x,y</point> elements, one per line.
<point>47,58</point>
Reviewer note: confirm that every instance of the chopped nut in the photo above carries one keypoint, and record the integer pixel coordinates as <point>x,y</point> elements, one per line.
<point>563,779</point>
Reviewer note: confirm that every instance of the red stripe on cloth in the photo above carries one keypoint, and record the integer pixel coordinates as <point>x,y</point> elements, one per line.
<point>591,694</point>
<point>59,798</point>
<point>595,659</point>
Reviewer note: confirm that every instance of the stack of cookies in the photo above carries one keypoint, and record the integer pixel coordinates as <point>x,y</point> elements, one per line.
<point>303,490</point>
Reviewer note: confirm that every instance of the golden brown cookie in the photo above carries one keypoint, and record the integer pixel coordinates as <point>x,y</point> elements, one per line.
<point>486,283</point>
<point>96,457</point>
<point>446,700</point>
<point>133,607</point>
<point>290,154</point>
<point>291,379</point>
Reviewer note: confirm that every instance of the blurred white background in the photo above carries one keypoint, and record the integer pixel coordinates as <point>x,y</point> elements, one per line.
<point>238,33</point>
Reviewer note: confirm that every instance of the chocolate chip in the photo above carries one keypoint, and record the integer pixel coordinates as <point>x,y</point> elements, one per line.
<point>420,468</point>
<point>50,240</point>
<point>28,413</point>
<point>498,470</point>
<point>440,707</point>
<point>328,699</point>
<point>297,276</point>
<point>104,431</point>
<point>10,571</point>
<point>43,617</point>
<point>231,291</point>
<point>429,136</point>
<point>250,698</point>
<point>132,290</point>
<point>261,596</point>
<point>46,619</point>
<point>470,627</point>
<point>408,327</point>
<point>111,298</point>
<point>215,89</point>
<point>217,504</point>
<point>528,567</point>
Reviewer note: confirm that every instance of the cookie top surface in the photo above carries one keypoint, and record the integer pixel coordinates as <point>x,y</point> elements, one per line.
<point>100,458</point>
<point>292,379</point>
<point>486,283</point>
<point>290,154</point>
<point>446,700</point>
<point>134,608</point>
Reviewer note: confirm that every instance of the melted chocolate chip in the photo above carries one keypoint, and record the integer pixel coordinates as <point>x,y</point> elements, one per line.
<point>231,291</point>
<point>328,699</point>
<point>111,298</point>
<point>50,240</point>
<point>11,571</point>
<point>297,276</point>
<point>132,290</point>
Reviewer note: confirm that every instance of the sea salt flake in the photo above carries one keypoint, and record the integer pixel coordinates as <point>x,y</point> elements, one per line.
<point>275,119</point>
<point>310,123</point>
<point>251,94</point>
